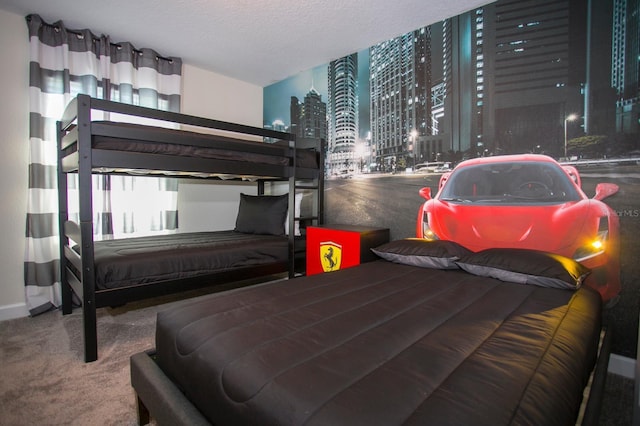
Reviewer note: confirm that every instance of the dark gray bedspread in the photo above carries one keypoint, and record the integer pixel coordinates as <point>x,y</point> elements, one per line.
<point>384,344</point>
<point>130,261</point>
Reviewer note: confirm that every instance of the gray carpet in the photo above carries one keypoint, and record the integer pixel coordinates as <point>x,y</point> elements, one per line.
<point>46,382</point>
<point>43,379</point>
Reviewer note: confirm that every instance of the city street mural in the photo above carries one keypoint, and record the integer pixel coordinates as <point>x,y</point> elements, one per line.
<point>560,78</point>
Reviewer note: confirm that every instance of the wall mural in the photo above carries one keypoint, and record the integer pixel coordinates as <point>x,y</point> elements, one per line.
<point>560,78</point>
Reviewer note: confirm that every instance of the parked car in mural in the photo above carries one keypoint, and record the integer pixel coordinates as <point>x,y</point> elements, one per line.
<point>526,201</point>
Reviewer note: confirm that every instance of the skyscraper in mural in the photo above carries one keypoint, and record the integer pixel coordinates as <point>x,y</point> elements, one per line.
<point>400,90</point>
<point>462,74</point>
<point>625,64</point>
<point>342,114</point>
<point>309,118</point>
<point>515,71</point>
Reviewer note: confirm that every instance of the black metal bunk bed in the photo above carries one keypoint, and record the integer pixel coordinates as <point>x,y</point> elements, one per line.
<point>87,146</point>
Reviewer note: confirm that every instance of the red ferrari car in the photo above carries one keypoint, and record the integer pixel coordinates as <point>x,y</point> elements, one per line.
<point>526,201</point>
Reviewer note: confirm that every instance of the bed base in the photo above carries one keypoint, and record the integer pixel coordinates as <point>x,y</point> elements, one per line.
<point>158,397</point>
<point>156,394</point>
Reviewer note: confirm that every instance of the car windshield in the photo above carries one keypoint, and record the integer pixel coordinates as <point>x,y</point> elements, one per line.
<point>510,183</point>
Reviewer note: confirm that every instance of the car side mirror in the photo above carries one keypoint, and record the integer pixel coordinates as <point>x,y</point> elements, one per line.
<point>425,193</point>
<point>573,174</point>
<point>604,190</point>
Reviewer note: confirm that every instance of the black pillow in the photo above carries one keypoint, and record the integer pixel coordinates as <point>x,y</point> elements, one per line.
<point>526,267</point>
<point>438,254</point>
<point>262,214</point>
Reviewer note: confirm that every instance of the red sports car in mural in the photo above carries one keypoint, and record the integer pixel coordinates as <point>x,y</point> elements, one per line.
<point>526,201</point>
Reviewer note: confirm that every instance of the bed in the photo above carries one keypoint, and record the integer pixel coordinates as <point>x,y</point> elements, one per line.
<point>428,334</point>
<point>94,139</point>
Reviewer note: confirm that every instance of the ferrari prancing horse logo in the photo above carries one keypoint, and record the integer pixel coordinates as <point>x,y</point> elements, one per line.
<point>330,256</point>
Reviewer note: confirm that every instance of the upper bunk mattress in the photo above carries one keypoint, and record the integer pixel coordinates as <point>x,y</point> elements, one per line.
<point>384,344</point>
<point>131,261</point>
<point>118,136</point>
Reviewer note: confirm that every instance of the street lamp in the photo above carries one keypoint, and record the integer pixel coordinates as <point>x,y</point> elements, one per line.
<point>571,117</point>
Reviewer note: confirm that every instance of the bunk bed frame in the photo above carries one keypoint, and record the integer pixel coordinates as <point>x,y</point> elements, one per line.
<point>78,153</point>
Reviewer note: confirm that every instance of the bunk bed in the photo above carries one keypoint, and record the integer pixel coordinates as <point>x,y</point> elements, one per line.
<point>428,334</point>
<point>94,139</point>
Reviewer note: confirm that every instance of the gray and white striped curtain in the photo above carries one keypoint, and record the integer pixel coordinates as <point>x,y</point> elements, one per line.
<point>64,63</point>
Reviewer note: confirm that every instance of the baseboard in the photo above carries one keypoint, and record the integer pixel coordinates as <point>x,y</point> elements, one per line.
<point>17,310</point>
<point>622,366</point>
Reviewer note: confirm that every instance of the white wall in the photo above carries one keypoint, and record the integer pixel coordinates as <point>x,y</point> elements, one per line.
<point>203,205</point>
<point>205,94</point>
<point>14,118</point>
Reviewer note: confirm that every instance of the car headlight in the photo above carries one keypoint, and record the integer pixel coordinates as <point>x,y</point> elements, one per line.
<point>427,233</point>
<point>595,246</point>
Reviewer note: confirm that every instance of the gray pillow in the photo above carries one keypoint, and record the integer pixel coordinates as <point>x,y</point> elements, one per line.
<point>262,214</point>
<point>526,267</point>
<point>437,254</point>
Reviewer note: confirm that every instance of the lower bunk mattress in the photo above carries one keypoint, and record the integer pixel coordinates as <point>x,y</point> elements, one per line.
<point>384,344</point>
<point>132,261</point>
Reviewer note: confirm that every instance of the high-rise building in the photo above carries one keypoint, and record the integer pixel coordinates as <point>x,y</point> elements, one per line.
<point>342,114</point>
<point>599,96</point>
<point>534,56</point>
<point>515,71</point>
<point>625,64</point>
<point>295,114</point>
<point>400,90</point>
<point>314,116</point>
<point>309,118</point>
<point>459,48</point>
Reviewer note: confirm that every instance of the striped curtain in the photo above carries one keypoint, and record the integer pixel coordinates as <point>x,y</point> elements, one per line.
<point>64,63</point>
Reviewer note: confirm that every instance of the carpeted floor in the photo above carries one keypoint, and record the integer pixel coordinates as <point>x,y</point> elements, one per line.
<point>44,381</point>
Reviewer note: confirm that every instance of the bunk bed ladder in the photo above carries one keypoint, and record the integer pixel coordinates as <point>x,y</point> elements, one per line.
<point>292,202</point>
<point>307,184</point>
<point>315,186</point>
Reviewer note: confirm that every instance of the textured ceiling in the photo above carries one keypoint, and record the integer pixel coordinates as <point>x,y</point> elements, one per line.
<point>257,41</point>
